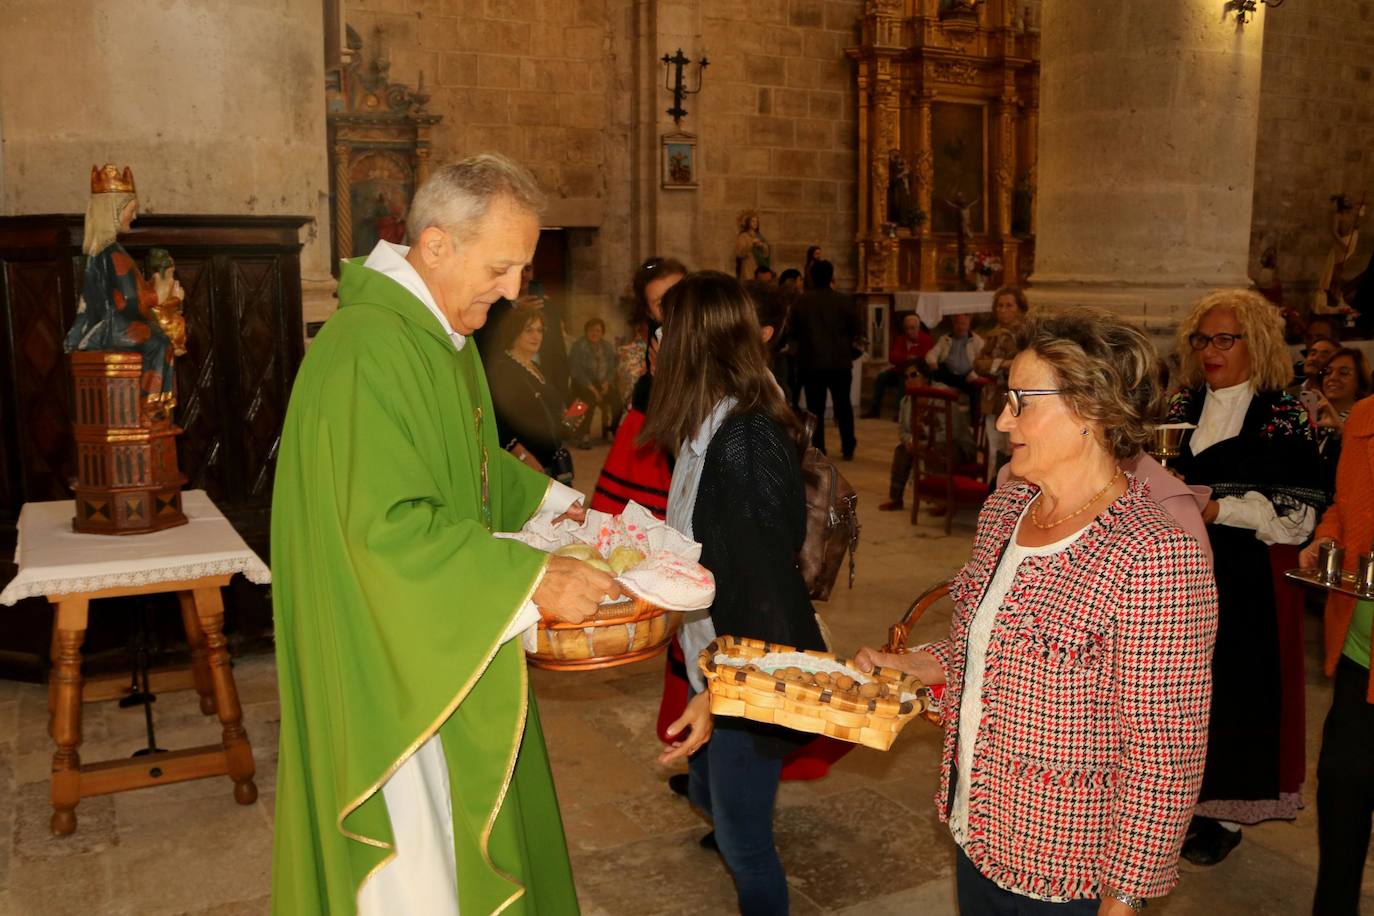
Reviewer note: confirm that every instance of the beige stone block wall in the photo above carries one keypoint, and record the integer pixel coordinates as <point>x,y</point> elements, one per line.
<point>546,82</point>
<point>218,107</point>
<point>1316,133</point>
<point>778,129</point>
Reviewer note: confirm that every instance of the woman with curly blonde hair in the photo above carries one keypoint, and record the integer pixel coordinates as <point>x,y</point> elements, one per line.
<point>1253,445</point>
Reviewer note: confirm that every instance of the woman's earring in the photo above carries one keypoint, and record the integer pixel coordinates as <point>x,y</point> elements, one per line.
<point>1085,430</point>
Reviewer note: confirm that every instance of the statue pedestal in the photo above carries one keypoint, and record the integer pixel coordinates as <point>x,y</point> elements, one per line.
<point>127,480</point>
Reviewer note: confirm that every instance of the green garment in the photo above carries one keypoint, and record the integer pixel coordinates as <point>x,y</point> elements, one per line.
<point>1357,636</point>
<point>391,599</point>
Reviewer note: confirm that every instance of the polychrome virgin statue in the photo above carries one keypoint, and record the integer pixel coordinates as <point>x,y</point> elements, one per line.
<point>119,308</point>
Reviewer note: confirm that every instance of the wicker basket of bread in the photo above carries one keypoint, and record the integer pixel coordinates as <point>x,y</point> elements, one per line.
<point>659,576</point>
<point>809,691</point>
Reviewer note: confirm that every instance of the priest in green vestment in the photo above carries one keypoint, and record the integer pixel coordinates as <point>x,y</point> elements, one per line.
<point>412,775</point>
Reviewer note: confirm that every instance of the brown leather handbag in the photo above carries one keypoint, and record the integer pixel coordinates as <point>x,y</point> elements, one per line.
<point>832,520</point>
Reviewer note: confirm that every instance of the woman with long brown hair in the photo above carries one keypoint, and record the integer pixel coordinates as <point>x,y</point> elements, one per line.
<point>737,489</point>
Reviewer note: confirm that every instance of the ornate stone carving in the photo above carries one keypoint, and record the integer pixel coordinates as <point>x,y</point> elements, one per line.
<point>955,71</point>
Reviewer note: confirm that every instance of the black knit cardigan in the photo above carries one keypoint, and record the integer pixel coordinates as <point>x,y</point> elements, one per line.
<point>750,519</point>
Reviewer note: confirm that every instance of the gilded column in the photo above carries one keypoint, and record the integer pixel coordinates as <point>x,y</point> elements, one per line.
<point>343,204</point>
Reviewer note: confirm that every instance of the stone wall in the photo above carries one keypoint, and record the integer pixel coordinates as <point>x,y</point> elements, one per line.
<point>218,107</point>
<point>546,82</point>
<point>1316,133</point>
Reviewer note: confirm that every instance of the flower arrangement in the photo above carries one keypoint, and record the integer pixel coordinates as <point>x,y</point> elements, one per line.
<point>984,263</point>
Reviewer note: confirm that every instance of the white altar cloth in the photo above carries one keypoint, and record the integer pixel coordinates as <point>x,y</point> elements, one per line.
<point>55,560</point>
<point>932,305</point>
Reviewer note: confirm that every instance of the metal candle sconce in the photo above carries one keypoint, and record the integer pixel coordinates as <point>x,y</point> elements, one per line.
<point>674,82</point>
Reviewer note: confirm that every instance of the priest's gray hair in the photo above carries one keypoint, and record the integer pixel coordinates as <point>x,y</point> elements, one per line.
<point>456,197</point>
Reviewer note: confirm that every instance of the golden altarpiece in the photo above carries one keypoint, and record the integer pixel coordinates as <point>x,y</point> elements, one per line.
<point>947,104</point>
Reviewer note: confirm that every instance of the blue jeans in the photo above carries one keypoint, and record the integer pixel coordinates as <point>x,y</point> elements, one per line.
<point>736,786</point>
<point>980,896</point>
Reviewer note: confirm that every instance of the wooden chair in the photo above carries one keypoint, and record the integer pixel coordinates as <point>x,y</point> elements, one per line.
<point>937,475</point>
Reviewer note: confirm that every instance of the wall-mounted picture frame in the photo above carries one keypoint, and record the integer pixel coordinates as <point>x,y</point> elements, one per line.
<point>680,161</point>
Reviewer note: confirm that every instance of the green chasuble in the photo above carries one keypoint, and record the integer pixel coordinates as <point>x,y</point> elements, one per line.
<point>391,598</point>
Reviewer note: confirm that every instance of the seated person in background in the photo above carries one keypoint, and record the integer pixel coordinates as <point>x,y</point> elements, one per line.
<point>904,455</point>
<point>1307,373</point>
<point>1317,329</point>
<point>763,274</point>
<point>951,359</point>
<point>908,348</point>
<point>790,280</point>
<point>1345,379</point>
<point>1009,307</point>
<point>592,366</point>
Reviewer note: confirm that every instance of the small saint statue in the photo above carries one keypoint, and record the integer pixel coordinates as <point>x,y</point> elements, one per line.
<point>1329,298</point>
<point>752,250</point>
<point>119,308</point>
<point>902,210</point>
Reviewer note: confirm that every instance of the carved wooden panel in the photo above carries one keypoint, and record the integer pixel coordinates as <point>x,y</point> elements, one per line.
<point>241,277</point>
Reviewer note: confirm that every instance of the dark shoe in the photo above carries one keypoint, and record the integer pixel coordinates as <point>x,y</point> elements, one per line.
<point>678,783</point>
<point>709,842</point>
<point>1211,843</point>
<point>892,505</point>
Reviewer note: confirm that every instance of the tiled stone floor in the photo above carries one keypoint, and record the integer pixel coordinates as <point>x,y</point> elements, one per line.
<point>864,840</point>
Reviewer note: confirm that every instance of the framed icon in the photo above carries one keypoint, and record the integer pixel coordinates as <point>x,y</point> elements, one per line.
<point>680,160</point>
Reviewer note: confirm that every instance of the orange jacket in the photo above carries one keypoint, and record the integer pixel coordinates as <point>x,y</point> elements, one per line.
<point>1350,520</point>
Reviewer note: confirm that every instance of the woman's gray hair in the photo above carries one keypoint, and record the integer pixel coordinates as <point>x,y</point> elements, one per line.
<point>457,196</point>
<point>1106,368</point>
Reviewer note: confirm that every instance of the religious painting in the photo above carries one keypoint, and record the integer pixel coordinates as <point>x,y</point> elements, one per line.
<point>680,161</point>
<point>380,186</point>
<point>959,139</point>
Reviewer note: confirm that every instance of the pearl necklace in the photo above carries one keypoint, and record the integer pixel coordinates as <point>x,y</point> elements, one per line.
<point>1035,509</point>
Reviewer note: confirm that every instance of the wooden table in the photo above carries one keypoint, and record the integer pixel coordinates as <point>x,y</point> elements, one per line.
<point>194,561</point>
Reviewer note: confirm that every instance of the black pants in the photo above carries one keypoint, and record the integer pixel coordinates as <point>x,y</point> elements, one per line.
<point>902,462</point>
<point>1345,793</point>
<point>979,896</point>
<point>817,383</point>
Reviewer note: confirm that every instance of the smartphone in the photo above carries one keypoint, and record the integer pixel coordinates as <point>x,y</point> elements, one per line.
<point>1311,400</point>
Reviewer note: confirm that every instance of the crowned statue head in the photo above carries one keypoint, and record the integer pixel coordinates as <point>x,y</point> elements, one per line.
<point>112,207</point>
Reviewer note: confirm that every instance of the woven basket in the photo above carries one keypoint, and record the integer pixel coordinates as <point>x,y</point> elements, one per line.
<point>761,697</point>
<point>617,634</point>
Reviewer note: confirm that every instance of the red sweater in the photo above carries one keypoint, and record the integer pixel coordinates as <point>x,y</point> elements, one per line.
<point>905,350</point>
<point>1096,694</point>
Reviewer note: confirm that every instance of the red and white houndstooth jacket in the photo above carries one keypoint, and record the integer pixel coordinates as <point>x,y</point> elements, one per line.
<point>1089,754</point>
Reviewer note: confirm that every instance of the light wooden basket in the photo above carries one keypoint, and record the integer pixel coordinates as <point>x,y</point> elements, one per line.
<point>761,697</point>
<point>617,634</point>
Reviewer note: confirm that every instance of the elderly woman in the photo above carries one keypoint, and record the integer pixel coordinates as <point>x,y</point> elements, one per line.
<point>1077,663</point>
<point>529,411</point>
<point>1076,671</point>
<point>1009,307</point>
<point>1254,447</point>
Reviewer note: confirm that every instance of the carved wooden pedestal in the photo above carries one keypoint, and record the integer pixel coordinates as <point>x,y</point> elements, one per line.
<point>211,675</point>
<point>127,481</point>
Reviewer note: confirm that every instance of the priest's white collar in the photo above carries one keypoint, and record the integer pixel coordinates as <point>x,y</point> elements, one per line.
<point>389,260</point>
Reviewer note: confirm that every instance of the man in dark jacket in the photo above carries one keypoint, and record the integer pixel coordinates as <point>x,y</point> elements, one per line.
<point>824,328</point>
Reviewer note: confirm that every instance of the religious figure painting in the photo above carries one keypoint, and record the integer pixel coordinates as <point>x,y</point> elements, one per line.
<point>680,161</point>
<point>959,138</point>
<point>380,183</point>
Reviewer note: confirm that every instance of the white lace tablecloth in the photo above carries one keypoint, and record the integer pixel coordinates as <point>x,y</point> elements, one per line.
<point>55,560</point>
<point>932,305</point>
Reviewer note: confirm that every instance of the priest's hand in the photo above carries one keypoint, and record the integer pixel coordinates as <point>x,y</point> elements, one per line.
<point>571,590</point>
<point>696,721</point>
<point>576,513</point>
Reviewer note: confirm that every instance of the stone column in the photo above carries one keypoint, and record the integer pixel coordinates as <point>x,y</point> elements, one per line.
<point>1148,119</point>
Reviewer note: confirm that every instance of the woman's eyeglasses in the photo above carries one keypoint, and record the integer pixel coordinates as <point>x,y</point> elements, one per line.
<point>1016,397</point>
<point>1220,341</point>
<point>1339,372</point>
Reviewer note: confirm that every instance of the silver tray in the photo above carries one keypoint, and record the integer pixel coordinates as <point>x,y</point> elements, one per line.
<point>1347,586</point>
